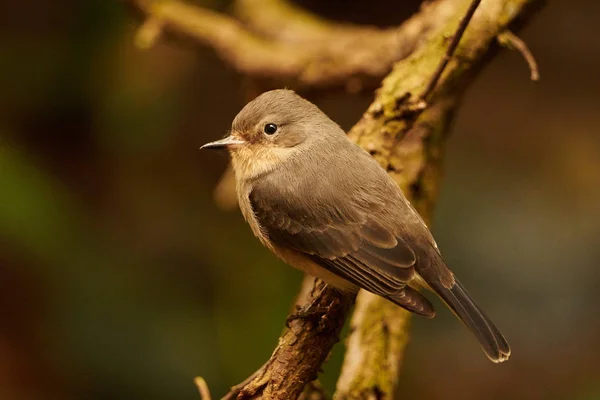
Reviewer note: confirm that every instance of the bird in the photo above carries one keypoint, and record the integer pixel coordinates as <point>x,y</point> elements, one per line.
<point>324,205</point>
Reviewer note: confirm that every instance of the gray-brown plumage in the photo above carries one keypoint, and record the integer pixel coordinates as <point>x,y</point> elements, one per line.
<point>324,205</point>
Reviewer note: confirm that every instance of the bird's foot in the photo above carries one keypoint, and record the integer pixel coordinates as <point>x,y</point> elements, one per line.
<point>311,312</point>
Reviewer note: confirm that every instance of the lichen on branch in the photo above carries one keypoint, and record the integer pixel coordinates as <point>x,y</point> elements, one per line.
<point>309,51</point>
<point>402,130</point>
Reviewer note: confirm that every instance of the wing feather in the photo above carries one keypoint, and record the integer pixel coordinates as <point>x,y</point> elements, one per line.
<point>356,243</point>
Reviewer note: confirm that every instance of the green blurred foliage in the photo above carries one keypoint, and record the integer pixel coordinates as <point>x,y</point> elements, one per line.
<point>119,277</point>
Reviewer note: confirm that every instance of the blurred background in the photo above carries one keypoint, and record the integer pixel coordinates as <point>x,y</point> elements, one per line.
<point>120,278</point>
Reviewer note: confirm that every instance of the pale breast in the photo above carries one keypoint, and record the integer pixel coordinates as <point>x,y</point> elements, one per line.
<point>243,193</point>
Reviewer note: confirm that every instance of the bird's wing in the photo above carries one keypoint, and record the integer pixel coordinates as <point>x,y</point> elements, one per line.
<point>352,240</point>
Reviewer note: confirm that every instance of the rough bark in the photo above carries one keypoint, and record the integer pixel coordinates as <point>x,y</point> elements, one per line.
<point>411,150</point>
<point>379,330</point>
<point>403,132</point>
<point>302,348</point>
<point>309,51</point>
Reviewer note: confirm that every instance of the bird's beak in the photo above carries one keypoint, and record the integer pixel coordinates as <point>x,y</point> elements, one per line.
<point>224,143</point>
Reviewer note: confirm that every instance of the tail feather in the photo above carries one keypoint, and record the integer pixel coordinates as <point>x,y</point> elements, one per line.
<point>411,300</point>
<point>491,339</point>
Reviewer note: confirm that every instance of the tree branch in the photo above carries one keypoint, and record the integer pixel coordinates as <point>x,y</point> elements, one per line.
<point>264,17</point>
<point>408,143</point>
<point>462,26</point>
<point>379,330</point>
<point>404,135</point>
<point>306,51</point>
<point>513,42</point>
<point>202,388</point>
<point>302,348</point>
<point>312,391</point>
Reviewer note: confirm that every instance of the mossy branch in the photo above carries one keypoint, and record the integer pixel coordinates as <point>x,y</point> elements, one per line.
<point>309,51</point>
<point>407,140</point>
<point>405,134</point>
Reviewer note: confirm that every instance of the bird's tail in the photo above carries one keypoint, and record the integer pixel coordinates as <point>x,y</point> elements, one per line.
<point>492,341</point>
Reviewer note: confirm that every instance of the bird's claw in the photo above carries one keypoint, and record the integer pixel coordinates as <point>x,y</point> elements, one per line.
<point>310,313</point>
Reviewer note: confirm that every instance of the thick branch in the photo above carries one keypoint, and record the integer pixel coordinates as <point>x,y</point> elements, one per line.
<point>403,134</point>
<point>265,18</point>
<point>302,348</point>
<point>305,51</point>
<point>378,328</point>
<point>249,53</point>
<point>408,142</point>
<point>313,390</point>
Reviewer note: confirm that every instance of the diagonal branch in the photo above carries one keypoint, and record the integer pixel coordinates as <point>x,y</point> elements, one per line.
<point>379,330</point>
<point>302,348</point>
<point>409,145</point>
<point>244,50</point>
<point>462,26</point>
<point>265,17</point>
<point>404,135</point>
<point>306,51</point>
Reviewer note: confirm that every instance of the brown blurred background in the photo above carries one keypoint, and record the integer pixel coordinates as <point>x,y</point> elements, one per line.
<point>120,279</point>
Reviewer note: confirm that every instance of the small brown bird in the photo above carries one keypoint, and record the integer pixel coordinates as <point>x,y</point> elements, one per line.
<point>325,206</point>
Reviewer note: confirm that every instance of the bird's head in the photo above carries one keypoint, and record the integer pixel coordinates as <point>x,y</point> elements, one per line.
<point>270,129</point>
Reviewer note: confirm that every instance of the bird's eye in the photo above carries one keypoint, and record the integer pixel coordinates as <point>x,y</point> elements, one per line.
<point>270,129</point>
